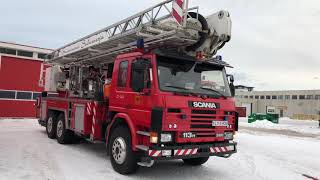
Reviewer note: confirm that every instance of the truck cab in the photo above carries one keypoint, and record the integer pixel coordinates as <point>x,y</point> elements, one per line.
<point>176,107</point>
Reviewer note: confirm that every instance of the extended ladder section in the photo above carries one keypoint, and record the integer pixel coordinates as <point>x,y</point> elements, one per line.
<point>170,25</point>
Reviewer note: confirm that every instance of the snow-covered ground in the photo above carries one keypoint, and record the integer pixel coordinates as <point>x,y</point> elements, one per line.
<point>300,126</point>
<point>27,153</point>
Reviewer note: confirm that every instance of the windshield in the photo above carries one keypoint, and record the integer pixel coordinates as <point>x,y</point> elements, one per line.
<point>192,77</point>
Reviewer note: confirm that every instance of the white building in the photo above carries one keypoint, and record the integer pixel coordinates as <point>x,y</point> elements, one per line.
<point>299,104</point>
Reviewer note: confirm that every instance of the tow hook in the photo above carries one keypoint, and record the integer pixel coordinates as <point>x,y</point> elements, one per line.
<point>225,156</point>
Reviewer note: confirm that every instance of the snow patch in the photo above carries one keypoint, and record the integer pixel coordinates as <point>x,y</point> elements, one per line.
<point>300,126</point>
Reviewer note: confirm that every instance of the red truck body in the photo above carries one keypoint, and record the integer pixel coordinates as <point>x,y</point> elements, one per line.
<point>149,112</point>
<point>169,97</point>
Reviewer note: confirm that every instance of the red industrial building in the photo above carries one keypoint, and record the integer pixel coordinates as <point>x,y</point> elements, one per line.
<point>21,78</point>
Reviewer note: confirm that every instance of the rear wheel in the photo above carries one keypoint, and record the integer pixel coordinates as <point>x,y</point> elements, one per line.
<point>196,161</point>
<point>64,136</point>
<point>51,126</point>
<point>123,159</point>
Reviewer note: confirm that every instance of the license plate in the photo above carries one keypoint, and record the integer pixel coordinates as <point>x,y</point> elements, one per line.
<point>220,123</point>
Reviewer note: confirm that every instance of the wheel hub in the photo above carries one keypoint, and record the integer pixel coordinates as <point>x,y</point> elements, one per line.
<point>59,129</point>
<point>119,150</point>
<point>50,124</point>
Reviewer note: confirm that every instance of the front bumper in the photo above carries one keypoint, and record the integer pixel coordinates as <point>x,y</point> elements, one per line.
<point>193,151</point>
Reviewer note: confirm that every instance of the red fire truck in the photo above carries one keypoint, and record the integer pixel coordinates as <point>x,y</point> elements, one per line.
<point>151,87</point>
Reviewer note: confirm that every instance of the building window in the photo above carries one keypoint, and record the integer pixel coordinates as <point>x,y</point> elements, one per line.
<point>302,97</point>
<point>287,97</point>
<point>261,97</point>
<point>7,94</point>
<point>24,95</point>
<point>274,97</point>
<point>256,97</point>
<point>317,97</point>
<point>35,95</point>
<point>309,96</point>
<point>8,51</point>
<point>246,97</point>
<point>268,97</point>
<point>280,97</point>
<point>251,97</point>
<point>294,97</point>
<point>25,53</point>
<point>123,74</point>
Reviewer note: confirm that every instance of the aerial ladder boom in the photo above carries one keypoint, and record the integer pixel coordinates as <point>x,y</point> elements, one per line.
<point>169,25</point>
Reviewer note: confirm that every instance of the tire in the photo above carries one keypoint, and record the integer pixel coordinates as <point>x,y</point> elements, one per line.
<point>63,135</point>
<point>51,125</point>
<point>196,161</point>
<point>123,159</point>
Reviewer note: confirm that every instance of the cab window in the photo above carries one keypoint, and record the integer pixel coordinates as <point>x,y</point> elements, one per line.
<point>123,74</point>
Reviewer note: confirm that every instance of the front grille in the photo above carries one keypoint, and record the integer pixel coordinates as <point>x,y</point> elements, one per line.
<point>199,126</point>
<point>201,122</point>
<point>196,111</point>
<point>203,117</point>
<point>204,134</point>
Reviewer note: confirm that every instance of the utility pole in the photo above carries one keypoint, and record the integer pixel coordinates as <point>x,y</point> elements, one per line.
<point>319,118</point>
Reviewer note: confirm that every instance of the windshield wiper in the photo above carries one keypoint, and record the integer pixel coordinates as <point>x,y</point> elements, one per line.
<point>215,91</point>
<point>183,88</point>
<point>178,87</point>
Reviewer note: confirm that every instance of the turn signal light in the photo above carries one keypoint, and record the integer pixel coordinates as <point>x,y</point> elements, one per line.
<point>153,137</point>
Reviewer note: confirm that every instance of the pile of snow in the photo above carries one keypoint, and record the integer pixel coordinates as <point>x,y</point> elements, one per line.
<point>264,124</point>
<point>300,126</point>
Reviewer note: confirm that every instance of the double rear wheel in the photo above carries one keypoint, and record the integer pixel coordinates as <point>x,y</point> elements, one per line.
<point>51,125</point>
<point>63,135</point>
<point>55,128</point>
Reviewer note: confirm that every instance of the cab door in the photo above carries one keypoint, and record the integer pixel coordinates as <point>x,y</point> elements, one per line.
<point>140,88</point>
<point>119,91</point>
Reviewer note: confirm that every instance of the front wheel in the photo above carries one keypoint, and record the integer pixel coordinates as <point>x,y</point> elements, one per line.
<point>123,159</point>
<point>196,161</point>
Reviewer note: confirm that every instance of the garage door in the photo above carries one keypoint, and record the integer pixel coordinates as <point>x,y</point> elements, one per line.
<point>248,107</point>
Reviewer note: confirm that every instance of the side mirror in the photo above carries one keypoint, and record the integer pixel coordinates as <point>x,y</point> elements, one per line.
<point>231,79</point>
<point>138,74</point>
<point>231,85</point>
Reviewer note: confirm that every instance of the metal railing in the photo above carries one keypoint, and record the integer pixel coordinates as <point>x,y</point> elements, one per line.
<point>119,36</point>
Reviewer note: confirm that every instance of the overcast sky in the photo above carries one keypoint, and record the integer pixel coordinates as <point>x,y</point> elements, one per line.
<point>274,46</point>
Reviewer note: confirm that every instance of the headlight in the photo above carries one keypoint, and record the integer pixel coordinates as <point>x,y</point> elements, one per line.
<point>228,135</point>
<point>165,138</point>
